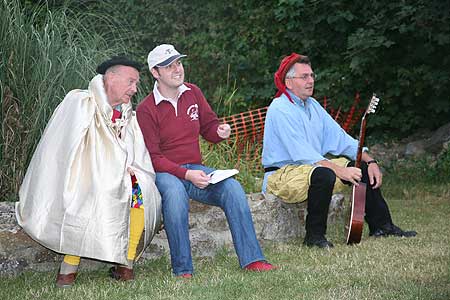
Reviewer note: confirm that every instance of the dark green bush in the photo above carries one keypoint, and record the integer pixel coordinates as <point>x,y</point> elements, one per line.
<point>397,49</point>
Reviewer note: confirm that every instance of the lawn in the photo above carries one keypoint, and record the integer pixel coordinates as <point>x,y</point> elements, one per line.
<point>382,268</point>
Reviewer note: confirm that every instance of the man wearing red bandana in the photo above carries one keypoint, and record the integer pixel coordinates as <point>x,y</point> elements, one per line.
<point>298,136</point>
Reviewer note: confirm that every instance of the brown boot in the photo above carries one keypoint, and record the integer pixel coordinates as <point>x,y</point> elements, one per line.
<point>65,280</point>
<point>121,273</point>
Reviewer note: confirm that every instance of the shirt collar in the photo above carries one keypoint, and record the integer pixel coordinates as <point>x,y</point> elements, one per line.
<point>296,99</point>
<point>158,97</point>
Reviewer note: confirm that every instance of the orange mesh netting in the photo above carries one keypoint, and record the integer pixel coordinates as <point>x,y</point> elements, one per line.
<point>247,128</point>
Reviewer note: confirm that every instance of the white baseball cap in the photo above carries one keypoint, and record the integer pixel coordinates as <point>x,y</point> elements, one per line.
<point>162,56</point>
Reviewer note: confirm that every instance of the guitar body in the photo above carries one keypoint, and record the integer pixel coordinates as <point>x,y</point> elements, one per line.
<point>355,220</point>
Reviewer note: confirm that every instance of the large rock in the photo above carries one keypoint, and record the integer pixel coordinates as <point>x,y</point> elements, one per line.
<point>18,252</point>
<point>423,141</point>
<point>434,144</point>
<point>274,221</point>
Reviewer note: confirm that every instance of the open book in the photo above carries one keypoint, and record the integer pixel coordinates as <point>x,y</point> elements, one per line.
<point>219,175</point>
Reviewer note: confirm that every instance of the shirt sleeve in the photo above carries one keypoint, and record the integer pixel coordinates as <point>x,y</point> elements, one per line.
<point>336,140</point>
<point>150,131</point>
<point>208,119</point>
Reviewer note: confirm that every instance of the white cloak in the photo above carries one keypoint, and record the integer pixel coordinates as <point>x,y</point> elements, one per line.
<point>76,195</point>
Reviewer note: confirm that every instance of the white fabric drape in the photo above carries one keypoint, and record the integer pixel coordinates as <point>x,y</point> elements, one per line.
<point>76,194</point>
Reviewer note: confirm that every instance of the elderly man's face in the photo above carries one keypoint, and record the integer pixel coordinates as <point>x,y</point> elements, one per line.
<point>121,84</point>
<point>302,85</point>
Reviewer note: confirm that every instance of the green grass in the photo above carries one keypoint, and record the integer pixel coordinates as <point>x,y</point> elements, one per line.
<point>384,268</point>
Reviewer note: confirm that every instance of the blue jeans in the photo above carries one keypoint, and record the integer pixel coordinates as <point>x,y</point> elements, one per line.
<point>227,194</point>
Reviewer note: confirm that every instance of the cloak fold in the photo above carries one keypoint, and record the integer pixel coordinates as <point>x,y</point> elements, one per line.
<point>76,194</point>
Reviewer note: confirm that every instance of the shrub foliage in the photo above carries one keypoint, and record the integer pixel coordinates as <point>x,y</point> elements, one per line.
<point>397,49</point>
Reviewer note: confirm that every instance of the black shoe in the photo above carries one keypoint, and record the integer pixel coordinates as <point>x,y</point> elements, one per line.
<point>392,230</point>
<point>397,231</point>
<point>317,241</point>
<point>377,233</point>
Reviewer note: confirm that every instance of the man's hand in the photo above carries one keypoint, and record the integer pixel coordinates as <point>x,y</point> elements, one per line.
<point>375,175</point>
<point>373,170</point>
<point>198,178</point>
<point>350,174</point>
<point>224,131</point>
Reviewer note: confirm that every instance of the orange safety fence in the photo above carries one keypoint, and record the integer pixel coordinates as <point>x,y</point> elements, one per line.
<point>247,128</point>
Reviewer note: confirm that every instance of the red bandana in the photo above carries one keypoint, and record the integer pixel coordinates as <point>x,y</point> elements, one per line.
<point>280,74</point>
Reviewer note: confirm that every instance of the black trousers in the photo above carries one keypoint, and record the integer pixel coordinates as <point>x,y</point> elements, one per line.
<point>319,197</point>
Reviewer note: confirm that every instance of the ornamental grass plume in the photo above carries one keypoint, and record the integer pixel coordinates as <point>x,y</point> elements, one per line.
<point>45,54</point>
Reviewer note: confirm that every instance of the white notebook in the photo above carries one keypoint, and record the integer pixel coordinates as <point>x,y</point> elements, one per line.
<point>219,175</point>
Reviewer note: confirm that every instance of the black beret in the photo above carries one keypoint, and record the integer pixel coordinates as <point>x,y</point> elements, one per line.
<point>117,60</point>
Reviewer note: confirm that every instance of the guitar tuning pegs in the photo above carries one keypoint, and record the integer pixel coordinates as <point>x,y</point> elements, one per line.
<point>373,104</point>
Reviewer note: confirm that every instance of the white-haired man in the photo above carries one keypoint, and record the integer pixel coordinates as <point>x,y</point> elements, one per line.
<point>85,187</point>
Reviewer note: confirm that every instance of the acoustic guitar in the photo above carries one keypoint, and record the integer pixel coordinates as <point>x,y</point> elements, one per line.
<point>355,219</point>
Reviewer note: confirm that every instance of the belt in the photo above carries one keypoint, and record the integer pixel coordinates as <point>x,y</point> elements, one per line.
<point>270,169</point>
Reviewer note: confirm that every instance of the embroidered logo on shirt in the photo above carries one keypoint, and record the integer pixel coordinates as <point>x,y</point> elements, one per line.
<point>192,112</point>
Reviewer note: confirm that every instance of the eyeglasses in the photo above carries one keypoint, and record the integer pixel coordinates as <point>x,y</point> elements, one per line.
<point>306,76</point>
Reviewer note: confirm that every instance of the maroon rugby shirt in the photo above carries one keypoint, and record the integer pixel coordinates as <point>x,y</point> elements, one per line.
<point>171,139</point>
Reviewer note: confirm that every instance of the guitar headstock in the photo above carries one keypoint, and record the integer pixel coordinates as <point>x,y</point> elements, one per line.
<point>373,104</point>
<point>362,132</point>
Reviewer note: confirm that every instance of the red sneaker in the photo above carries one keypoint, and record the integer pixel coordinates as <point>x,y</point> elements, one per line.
<point>185,276</point>
<point>260,266</point>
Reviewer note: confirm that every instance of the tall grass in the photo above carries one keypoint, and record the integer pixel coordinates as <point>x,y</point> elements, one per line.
<point>43,55</point>
<point>235,154</point>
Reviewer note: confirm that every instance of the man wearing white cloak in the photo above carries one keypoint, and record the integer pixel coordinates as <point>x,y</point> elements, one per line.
<point>77,197</point>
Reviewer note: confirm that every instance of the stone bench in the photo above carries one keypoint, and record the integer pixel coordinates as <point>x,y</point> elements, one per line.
<point>274,221</point>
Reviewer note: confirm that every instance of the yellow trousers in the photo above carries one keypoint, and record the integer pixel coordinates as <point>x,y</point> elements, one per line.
<point>137,224</point>
<point>291,182</point>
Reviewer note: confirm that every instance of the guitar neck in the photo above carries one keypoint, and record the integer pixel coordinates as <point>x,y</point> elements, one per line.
<point>362,135</point>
